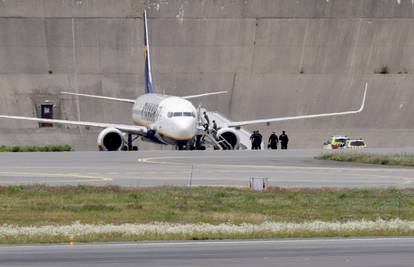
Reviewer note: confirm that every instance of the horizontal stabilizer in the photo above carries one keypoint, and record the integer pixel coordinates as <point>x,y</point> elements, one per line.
<point>206,94</point>
<point>101,97</point>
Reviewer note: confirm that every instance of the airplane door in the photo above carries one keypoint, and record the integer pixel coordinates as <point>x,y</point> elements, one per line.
<point>46,111</point>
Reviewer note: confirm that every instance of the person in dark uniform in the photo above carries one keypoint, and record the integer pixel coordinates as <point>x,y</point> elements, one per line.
<point>252,139</point>
<point>284,140</point>
<point>273,140</point>
<point>259,138</point>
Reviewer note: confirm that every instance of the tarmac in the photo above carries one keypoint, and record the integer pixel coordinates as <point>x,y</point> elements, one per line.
<point>290,168</point>
<point>397,252</point>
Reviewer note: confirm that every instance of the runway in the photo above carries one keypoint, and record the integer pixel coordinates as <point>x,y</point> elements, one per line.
<point>291,168</point>
<point>396,252</point>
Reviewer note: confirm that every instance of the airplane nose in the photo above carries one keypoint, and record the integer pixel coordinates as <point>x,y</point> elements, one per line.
<point>186,129</point>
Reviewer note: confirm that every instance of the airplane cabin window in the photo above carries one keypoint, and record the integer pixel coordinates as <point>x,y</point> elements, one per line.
<point>169,114</point>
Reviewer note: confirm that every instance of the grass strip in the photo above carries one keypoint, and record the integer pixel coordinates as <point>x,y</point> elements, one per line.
<point>38,213</point>
<point>397,159</point>
<point>77,232</point>
<point>40,205</point>
<point>46,148</point>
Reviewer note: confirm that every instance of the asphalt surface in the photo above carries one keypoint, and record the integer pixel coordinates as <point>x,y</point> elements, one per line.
<point>396,252</point>
<point>291,168</point>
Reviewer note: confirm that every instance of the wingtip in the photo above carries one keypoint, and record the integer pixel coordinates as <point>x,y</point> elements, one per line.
<point>364,97</point>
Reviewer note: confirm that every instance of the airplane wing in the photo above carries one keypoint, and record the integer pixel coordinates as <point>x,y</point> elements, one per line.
<point>101,97</point>
<point>122,127</point>
<point>242,123</point>
<point>201,95</point>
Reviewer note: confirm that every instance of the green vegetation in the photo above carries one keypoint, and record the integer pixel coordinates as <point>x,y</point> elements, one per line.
<point>47,148</point>
<point>38,205</point>
<point>42,205</point>
<point>399,160</point>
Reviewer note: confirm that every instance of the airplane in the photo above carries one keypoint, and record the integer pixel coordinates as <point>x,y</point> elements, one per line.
<point>164,119</point>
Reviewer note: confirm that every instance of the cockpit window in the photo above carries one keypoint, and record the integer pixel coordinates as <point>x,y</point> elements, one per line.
<point>189,114</point>
<point>180,114</point>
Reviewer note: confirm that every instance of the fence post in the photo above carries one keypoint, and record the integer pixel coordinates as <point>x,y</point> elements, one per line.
<point>191,176</point>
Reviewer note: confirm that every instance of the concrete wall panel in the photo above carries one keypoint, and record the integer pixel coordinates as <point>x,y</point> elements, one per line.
<point>195,59</point>
<point>275,57</point>
<point>200,32</point>
<point>22,32</point>
<point>17,59</point>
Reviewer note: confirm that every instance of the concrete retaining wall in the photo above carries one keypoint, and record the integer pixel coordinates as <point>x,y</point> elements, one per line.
<point>275,57</point>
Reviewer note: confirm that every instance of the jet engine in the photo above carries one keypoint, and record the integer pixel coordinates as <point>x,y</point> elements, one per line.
<point>228,139</point>
<point>111,139</point>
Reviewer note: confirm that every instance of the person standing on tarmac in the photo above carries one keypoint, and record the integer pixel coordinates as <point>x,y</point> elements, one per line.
<point>252,139</point>
<point>259,138</point>
<point>273,140</point>
<point>284,140</point>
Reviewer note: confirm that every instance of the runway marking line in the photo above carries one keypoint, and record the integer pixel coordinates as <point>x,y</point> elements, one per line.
<point>157,160</point>
<point>71,175</point>
<point>154,160</point>
<point>226,242</point>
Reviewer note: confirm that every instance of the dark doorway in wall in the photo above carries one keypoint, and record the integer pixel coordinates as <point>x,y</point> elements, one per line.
<point>46,111</point>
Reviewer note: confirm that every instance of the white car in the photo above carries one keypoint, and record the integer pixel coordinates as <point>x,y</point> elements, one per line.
<point>355,144</point>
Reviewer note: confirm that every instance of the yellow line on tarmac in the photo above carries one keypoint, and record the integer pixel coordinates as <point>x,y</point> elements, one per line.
<point>70,175</point>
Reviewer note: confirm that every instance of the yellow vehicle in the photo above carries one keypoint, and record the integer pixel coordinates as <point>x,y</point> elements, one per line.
<point>355,144</point>
<point>336,142</point>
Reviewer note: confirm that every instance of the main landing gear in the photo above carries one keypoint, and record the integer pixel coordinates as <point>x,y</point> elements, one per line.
<point>129,146</point>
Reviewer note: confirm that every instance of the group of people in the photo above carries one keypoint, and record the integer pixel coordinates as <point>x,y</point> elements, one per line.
<point>256,139</point>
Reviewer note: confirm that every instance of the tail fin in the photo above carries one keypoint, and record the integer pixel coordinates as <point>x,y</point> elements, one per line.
<point>148,76</point>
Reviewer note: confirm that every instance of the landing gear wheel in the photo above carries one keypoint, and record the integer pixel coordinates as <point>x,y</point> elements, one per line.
<point>182,145</point>
<point>130,146</point>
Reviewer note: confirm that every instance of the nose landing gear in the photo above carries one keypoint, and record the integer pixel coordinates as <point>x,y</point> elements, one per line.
<point>182,145</point>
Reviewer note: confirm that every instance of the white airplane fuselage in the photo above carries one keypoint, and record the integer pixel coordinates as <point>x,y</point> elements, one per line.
<point>170,118</point>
